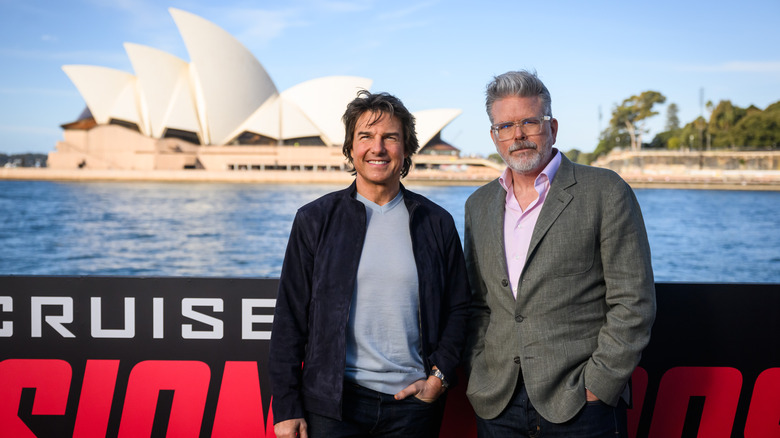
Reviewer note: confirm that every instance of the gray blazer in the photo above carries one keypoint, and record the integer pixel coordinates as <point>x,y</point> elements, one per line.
<point>585,302</point>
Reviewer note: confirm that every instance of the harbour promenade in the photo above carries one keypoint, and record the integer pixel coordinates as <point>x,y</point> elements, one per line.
<point>712,170</point>
<point>709,179</point>
<point>234,176</point>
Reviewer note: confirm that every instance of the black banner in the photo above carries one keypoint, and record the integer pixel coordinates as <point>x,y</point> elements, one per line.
<point>129,357</point>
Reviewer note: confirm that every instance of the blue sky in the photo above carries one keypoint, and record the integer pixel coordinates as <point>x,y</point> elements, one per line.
<point>431,54</point>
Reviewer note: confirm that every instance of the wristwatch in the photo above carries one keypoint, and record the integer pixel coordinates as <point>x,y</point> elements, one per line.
<point>438,374</point>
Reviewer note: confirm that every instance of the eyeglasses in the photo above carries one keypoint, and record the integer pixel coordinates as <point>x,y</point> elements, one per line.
<point>530,126</point>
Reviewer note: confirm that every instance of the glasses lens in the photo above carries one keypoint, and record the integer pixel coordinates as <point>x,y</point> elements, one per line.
<point>530,126</point>
<point>505,131</point>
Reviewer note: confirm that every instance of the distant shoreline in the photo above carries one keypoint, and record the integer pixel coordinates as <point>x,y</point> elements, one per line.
<point>336,177</point>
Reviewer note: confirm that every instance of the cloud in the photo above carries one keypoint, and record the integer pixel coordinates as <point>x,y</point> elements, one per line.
<point>736,67</point>
<point>263,26</point>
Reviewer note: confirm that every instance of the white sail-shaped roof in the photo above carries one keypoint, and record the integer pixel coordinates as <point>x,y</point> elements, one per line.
<point>232,82</point>
<point>280,119</point>
<point>324,100</point>
<point>310,109</point>
<point>165,89</point>
<point>108,93</point>
<point>295,122</point>
<point>265,121</point>
<point>222,92</point>
<point>428,123</point>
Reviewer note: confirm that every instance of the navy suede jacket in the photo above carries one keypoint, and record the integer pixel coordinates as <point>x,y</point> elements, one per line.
<point>308,343</point>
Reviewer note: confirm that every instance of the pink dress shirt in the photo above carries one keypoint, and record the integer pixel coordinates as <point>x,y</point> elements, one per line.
<point>518,224</point>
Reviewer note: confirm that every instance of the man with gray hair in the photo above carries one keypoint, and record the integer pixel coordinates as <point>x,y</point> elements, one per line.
<point>563,297</point>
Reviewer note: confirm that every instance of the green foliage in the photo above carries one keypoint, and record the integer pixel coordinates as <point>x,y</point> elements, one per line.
<point>577,156</point>
<point>496,157</point>
<point>757,129</point>
<point>662,139</point>
<point>632,112</point>
<point>692,135</point>
<point>612,137</point>
<point>672,119</point>
<point>724,117</point>
<point>729,126</point>
<point>775,107</point>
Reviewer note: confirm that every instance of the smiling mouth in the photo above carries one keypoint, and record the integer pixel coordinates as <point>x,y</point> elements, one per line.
<point>377,162</point>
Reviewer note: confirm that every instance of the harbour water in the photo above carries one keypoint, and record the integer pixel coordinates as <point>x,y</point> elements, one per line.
<point>241,230</point>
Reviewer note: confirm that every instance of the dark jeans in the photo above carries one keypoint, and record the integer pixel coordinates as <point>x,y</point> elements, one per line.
<point>520,419</point>
<point>367,413</point>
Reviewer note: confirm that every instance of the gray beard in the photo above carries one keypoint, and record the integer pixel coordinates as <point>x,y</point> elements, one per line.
<point>523,165</point>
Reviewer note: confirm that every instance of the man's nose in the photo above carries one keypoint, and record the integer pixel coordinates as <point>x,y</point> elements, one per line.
<point>519,134</point>
<point>378,145</point>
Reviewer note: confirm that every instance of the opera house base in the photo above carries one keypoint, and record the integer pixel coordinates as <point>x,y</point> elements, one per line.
<point>116,153</point>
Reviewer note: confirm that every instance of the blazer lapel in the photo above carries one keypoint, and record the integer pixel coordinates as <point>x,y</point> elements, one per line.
<point>495,220</point>
<point>557,200</point>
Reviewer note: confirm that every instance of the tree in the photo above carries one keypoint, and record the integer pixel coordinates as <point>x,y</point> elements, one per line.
<point>724,117</point>
<point>609,139</point>
<point>672,119</point>
<point>691,136</point>
<point>632,112</point>
<point>757,129</point>
<point>774,107</point>
<point>668,139</point>
<point>662,139</point>
<point>577,156</point>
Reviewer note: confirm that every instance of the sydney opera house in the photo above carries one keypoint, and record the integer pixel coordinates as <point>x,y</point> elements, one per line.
<point>220,112</point>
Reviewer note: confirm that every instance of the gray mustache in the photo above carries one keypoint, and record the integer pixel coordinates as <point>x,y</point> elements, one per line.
<point>522,145</point>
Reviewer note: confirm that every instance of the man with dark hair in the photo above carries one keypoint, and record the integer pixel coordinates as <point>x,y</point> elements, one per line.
<point>563,297</point>
<point>373,297</point>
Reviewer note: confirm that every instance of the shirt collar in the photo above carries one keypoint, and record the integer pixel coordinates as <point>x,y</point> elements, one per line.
<point>548,173</point>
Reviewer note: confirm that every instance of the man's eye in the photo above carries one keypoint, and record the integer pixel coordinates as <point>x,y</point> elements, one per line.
<point>505,126</point>
<point>530,122</point>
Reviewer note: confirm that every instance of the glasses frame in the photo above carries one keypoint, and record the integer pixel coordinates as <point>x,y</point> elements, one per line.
<point>518,124</point>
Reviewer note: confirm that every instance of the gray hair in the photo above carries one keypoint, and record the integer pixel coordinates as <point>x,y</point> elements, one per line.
<point>517,83</point>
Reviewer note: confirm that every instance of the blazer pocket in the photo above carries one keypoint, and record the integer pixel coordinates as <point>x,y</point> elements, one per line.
<point>571,252</point>
<point>480,378</point>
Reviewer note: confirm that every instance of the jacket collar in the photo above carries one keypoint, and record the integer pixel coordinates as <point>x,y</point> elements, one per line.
<point>411,199</point>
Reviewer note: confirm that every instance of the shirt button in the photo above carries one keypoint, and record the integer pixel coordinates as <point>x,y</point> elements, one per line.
<point>519,318</point>
<point>517,360</point>
<point>504,282</point>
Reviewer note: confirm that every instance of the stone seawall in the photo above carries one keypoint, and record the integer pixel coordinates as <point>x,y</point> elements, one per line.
<point>638,176</point>
<point>267,176</point>
<point>739,170</point>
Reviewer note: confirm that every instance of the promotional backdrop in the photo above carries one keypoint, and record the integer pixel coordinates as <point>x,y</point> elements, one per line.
<point>130,357</point>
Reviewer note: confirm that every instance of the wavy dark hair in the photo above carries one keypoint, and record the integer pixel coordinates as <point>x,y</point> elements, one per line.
<point>379,104</point>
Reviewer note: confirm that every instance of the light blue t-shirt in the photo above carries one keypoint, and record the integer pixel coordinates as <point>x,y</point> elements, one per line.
<point>383,333</point>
